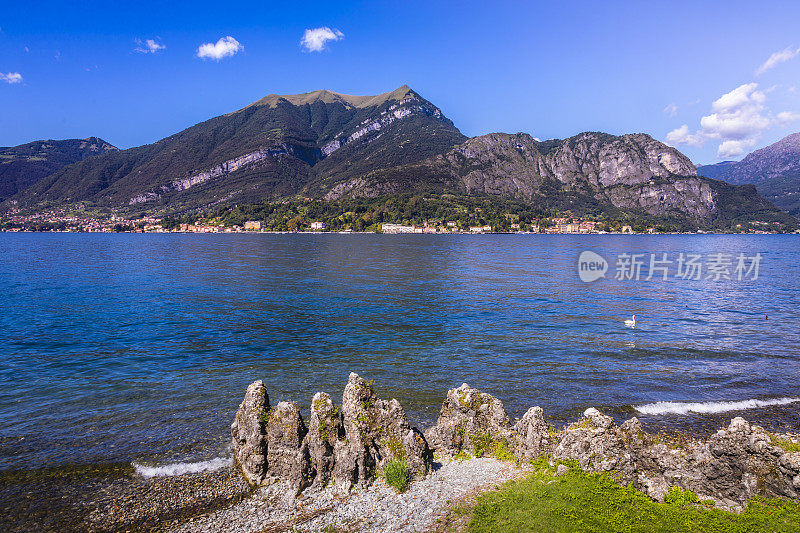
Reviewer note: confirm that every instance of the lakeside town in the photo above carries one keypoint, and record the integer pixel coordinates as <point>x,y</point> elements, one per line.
<point>69,222</point>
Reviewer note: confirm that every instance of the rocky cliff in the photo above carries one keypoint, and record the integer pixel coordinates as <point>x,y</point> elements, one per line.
<point>588,173</point>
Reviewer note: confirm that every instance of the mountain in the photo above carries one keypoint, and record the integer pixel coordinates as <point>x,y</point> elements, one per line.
<point>589,173</point>
<point>775,171</point>
<point>24,165</point>
<point>716,171</point>
<point>332,146</point>
<point>778,159</point>
<point>269,150</point>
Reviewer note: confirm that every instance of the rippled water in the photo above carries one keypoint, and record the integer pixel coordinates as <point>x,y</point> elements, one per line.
<point>138,347</point>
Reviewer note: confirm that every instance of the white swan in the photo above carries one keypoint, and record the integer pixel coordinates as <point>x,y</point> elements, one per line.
<point>631,323</point>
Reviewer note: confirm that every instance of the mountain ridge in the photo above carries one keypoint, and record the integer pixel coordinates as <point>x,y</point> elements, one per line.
<point>22,166</point>
<point>774,170</point>
<point>329,97</point>
<point>777,159</point>
<point>263,152</point>
<point>591,172</point>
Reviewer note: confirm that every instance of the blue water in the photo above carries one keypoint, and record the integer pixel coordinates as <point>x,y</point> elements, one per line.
<point>129,347</point>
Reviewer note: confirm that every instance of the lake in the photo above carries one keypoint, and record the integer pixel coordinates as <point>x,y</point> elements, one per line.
<point>138,347</point>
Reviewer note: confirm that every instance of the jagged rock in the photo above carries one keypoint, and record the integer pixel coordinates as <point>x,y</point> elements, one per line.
<point>376,430</point>
<point>790,467</point>
<point>468,414</point>
<point>249,437</point>
<point>661,466</point>
<point>324,432</point>
<point>597,445</point>
<point>732,466</point>
<point>533,435</point>
<point>350,447</point>
<point>287,453</point>
<point>745,463</point>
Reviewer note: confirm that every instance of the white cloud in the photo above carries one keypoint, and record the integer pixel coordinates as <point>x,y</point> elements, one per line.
<point>737,115</point>
<point>149,46</point>
<point>225,47</point>
<point>776,59</point>
<point>671,109</point>
<point>730,149</point>
<point>738,119</point>
<point>11,77</point>
<point>316,39</point>
<point>682,136</point>
<point>785,118</point>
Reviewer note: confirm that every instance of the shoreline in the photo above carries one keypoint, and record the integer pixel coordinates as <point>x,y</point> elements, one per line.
<point>117,498</point>
<point>111,498</point>
<point>454,233</point>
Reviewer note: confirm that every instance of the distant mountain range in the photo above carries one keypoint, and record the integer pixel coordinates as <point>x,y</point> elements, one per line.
<point>775,171</point>
<point>332,146</point>
<point>24,165</point>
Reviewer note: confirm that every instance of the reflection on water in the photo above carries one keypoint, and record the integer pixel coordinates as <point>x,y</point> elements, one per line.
<point>122,347</point>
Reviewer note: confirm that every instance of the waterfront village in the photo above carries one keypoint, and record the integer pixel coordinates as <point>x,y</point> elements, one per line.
<point>62,221</point>
<point>72,223</point>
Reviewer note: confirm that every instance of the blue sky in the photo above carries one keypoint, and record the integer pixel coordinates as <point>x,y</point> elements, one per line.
<point>683,71</point>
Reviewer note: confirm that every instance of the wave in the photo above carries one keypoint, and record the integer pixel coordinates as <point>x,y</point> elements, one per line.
<point>177,469</point>
<point>679,408</point>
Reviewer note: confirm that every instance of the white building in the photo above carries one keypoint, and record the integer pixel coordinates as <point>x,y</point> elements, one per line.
<point>398,228</point>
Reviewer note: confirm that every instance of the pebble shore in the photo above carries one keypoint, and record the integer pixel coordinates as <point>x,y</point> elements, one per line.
<point>377,508</point>
<point>144,504</point>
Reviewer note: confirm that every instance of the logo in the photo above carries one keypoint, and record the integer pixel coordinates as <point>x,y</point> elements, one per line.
<point>591,266</point>
<point>662,266</point>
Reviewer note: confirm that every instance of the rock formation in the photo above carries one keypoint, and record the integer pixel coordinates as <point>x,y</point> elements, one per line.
<point>350,445</point>
<point>249,437</point>
<point>533,437</point>
<point>376,430</point>
<point>324,433</point>
<point>730,467</point>
<point>287,450</point>
<point>467,414</point>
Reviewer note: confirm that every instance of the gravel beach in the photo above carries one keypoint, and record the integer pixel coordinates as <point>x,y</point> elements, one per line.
<point>93,499</point>
<point>377,508</point>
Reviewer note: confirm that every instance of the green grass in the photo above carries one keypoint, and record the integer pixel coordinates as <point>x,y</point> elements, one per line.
<point>396,474</point>
<point>579,501</point>
<point>787,445</point>
<point>503,451</point>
